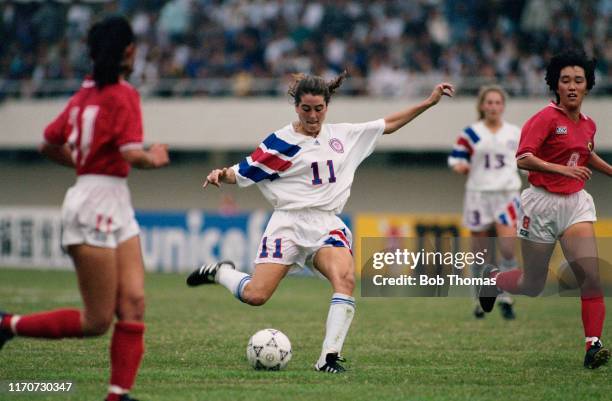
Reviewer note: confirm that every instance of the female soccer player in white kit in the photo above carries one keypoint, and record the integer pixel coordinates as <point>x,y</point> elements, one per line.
<point>485,152</point>
<point>305,169</point>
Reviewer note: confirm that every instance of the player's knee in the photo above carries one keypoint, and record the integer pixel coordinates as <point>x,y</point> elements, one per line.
<point>255,297</point>
<point>345,282</point>
<point>256,300</point>
<point>97,325</point>
<point>131,307</point>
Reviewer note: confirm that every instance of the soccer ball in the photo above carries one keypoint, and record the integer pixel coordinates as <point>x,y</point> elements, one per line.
<point>269,349</point>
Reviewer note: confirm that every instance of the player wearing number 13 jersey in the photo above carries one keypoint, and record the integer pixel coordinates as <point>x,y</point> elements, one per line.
<point>485,152</point>
<point>305,170</point>
<point>99,133</point>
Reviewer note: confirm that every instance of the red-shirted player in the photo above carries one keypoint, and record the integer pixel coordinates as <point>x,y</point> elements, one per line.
<point>556,146</point>
<point>99,133</point>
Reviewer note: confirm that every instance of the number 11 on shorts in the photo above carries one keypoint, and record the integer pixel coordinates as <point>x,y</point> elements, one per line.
<point>264,248</point>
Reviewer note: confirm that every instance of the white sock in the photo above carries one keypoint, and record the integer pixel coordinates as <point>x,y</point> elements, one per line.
<point>504,266</point>
<point>339,318</point>
<point>233,280</point>
<point>507,264</point>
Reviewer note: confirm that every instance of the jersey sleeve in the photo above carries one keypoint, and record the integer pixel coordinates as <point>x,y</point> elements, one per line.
<point>271,158</point>
<point>128,118</point>
<point>463,148</point>
<point>534,133</point>
<point>56,133</point>
<point>363,137</point>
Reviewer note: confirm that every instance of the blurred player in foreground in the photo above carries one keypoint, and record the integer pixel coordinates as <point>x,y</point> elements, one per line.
<point>99,133</point>
<point>556,146</point>
<point>485,151</point>
<point>305,170</point>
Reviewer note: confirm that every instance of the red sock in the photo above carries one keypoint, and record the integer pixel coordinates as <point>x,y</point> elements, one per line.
<point>593,316</point>
<point>127,348</point>
<point>508,281</point>
<point>60,323</point>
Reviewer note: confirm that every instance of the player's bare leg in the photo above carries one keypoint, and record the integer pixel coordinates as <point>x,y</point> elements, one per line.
<point>253,289</point>
<point>127,344</point>
<point>263,283</point>
<point>337,265</point>
<point>96,274</point>
<point>528,281</point>
<point>580,249</point>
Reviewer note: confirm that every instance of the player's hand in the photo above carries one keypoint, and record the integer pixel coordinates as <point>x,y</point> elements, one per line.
<point>461,168</point>
<point>215,177</point>
<point>159,155</point>
<point>442,89</point>
<point>578,172</point>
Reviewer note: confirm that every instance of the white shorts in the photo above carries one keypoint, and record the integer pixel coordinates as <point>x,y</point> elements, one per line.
<point>97,211</point>
<point>293,237</point>
<point>482,209</point>
<point>546,215</point>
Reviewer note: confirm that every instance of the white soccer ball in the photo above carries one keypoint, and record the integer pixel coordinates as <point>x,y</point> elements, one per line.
<point>269,349</point>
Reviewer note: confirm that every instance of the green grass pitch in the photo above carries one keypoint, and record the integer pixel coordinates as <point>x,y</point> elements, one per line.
<point>397,349</point>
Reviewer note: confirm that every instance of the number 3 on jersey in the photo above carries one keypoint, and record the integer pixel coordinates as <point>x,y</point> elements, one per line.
<point>80,139</point>
<point>316,180</point>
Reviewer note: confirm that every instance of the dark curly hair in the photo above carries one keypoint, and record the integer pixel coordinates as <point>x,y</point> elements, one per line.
<point>314,85</point>
<point>107,40</point>
<point>571,57</point>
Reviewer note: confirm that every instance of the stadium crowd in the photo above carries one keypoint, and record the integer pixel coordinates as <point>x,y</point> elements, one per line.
<point>239,47</point>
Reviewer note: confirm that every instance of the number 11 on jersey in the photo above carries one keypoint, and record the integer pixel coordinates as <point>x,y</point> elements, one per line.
<point>315,172</point>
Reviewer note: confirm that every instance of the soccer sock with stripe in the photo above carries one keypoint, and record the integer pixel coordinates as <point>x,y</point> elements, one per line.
<point>339,319</point>
<point>233,280</point>
<point>126,350</point>
<point>60,323</point>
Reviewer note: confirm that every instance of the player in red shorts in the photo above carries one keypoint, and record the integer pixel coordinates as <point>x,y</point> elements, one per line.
<point>556,147</point>
<point>99,133</point>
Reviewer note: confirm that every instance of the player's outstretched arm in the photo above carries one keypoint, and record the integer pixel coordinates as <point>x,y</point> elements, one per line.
<point>217,176</point>
<point>155,157</point>
<point>57,153</point>
<point>534,163</point>
<point>397,120</point>
<point>600,164</point>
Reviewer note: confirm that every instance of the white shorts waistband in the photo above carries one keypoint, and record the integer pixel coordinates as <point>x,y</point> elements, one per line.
<point>100,179</point>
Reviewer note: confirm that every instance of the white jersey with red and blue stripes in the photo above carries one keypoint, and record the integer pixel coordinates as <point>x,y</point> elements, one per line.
<point>295,171</point>
<point>491,157</point>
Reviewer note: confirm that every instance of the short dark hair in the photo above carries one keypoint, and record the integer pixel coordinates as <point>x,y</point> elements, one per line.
<point>314,85</point>
<point>107,40</point>
<point>568,58</point>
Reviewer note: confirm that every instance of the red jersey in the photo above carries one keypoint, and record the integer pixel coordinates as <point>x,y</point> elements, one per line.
<point>98,124</point>
<point>553,137</point>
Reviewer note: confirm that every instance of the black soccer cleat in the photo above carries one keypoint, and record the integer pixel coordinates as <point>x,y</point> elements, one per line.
<point>478,312</point>
<point>331,364</point>
<point>206,273</point>
<point>488,293</point>
<point>125,397</point>
<point>507,310</point>
<point>596,356</point>
<point>5,335</point>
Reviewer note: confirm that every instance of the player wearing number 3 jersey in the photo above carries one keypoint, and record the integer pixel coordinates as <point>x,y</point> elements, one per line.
<point>99,133</point>
<point>305,170</point>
